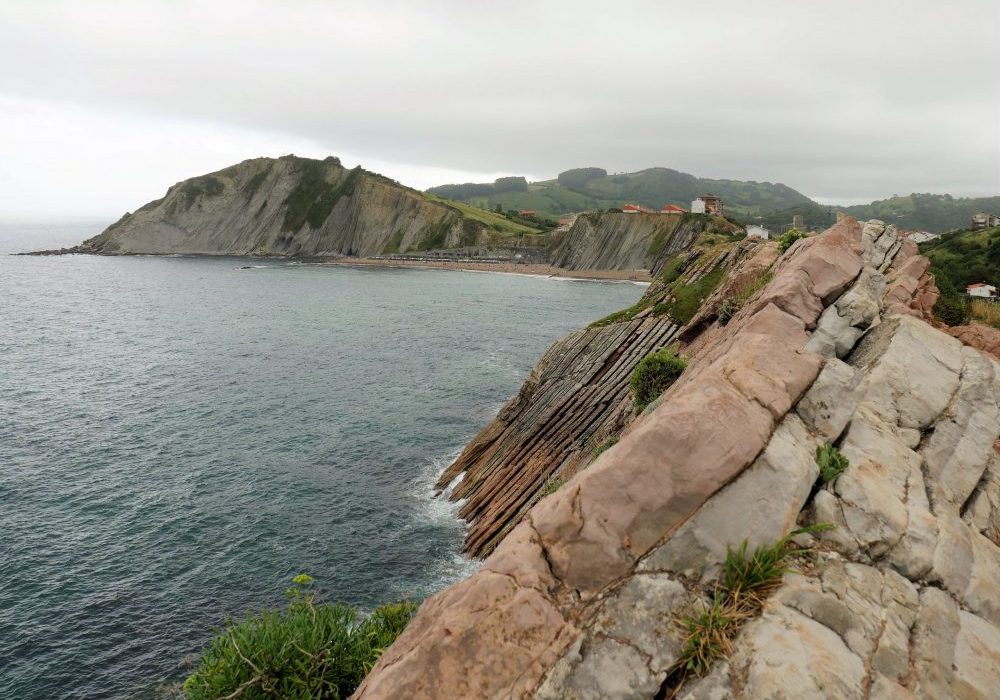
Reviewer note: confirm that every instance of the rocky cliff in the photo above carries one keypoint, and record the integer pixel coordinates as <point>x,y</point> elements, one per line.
<point>593,590</point>
<point>616,241</point>
<point>288,206</point>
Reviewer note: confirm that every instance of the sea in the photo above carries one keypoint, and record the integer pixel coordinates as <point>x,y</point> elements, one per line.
<point>179,436</point>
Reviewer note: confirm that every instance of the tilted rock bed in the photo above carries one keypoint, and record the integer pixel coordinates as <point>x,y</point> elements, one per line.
<point>581,599</point>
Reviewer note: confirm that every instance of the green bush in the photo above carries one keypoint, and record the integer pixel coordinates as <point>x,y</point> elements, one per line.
<point>654,373</point>
<point>727,309</point>
<point>952,310</point>
<point>787,239</point>
<point>831,463</point>
<point>308,650</point>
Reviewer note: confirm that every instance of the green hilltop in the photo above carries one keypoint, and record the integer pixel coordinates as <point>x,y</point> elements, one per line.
<point>582,189</point>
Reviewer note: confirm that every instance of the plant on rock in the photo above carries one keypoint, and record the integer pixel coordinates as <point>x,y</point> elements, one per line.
<point>308,650</point>
<point>654,373</point>
<point>831,463</point>
<point>787,239</point>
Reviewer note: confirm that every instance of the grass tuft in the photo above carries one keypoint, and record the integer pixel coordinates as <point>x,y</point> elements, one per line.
<point>787,239</point>
<point>552,485</point>
<point>307,650</point>
<point>748,578</point>
<point>831,463</point>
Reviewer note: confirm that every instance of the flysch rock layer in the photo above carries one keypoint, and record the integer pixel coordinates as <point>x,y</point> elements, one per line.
<point>582,599</point>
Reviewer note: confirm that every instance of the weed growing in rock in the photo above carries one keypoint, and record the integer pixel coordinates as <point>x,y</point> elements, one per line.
<point>831,463</point>
<point>308,650</point>
<point>748,578</point>
<point>787,239</point>
<point>654,373</point>
<point>552,485</point>
<point>606,445</point>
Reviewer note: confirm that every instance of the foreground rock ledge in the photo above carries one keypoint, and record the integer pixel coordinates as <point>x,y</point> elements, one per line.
<point>579,600</point>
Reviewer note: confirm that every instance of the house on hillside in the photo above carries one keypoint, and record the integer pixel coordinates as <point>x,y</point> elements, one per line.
<point>984,220</point>
<point>756,231</point>
<point>982,290</point>
<point>707,204</point>
<point>673,209</point>
<point>526,213</point>
<point>635,209</point>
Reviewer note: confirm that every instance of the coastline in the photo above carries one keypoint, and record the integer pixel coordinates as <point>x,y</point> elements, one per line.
<point>531,269</point>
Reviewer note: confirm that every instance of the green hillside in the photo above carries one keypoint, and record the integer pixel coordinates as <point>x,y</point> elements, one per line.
<point>926,212</point>
<point>593,188</point>
<point>963,258</point>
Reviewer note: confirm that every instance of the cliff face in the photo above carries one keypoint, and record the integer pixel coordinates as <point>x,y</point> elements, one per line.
<point>287,206</point>
<point>583,597</point>
<point>613,241</point>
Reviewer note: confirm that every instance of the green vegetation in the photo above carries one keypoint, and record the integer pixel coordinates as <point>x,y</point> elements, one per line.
<point>654,374</point>
<point>926,212</point>
<point>606,445</point>
<point>748,578</point>
<point>552,485</point>
<point>685,298</point>
<point>308,650</point>
<point>831,463</point>
<point>582,189</point>
<point>958,260</point>
<point>788,239</point>
<point>435,236</point>
<point>206,185</point>
<point>254,183</point>
<point>492,219</point>
<point>313,197</point>
<point>392,246</point>
<point>742,290</point>
<point>625,314</point>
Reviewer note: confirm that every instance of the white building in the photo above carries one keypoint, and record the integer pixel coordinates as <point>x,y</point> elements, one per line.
<point>698,206</point>
<point>923,236</point>
<point>981,289</point>
<point>755,231</point>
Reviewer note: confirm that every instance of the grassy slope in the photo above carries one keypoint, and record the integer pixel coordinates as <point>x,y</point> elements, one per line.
<point>963,258</point>
<point>490,218</point>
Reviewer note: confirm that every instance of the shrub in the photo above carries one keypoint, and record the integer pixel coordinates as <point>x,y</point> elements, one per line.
<point>985,310</point>
<point>308,650</point>
<point>831,463</point>
<point>952,310</point>
<point>727,309</point>
<point>654,373</point>
<point>787,239</point>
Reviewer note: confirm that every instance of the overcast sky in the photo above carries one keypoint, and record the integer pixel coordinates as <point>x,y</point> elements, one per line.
<point>105,104</point>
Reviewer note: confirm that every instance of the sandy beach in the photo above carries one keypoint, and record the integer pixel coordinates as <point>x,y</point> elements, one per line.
<point>509,268</point>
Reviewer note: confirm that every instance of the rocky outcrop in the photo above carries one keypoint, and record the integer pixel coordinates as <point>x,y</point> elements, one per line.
<point>288,206</point>
<point>617,241</point>
<point>582,598</point>
<point>577,400</point>
<point>980,336</point>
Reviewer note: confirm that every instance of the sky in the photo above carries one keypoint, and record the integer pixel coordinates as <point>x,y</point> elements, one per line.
<point>104,104</point>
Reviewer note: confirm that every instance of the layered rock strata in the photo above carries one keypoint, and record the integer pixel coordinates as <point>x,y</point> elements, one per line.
<point>574,404</point>
<point>581,599</point>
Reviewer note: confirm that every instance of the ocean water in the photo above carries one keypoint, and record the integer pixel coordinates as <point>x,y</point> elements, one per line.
<point>180,436</point>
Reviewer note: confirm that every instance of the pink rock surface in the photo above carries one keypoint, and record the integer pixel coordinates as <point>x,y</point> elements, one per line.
<point>979,336</point>
<point>497,633</point>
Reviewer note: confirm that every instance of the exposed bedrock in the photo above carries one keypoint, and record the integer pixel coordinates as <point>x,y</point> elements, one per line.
<point>581,599</point>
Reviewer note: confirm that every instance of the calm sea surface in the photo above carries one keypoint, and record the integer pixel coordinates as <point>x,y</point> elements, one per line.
<point>179,437</point>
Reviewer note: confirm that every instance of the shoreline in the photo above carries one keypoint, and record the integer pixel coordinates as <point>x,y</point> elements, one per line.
<point>528,269</point>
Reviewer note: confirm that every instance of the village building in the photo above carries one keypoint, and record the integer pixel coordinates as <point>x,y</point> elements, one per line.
<point>526,212</point>
<point>636,209</point>
<point>981,289</point>
<point>757,231</point>
<point>983,220</point>
<point>673,209</point>
<point>707,204</point>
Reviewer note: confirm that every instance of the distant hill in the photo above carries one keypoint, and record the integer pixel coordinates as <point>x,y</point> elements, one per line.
<point>771,204</point>
<point>928,212</point>
<point>582,189</point>
<point>964,257</point>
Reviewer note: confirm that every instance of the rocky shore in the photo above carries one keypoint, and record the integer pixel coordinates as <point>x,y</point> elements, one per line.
<point>583,597</point>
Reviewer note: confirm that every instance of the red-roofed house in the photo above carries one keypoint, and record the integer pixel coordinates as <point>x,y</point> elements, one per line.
<point>526,212</point>
<point>673,209</point>
<point>635,209</point>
